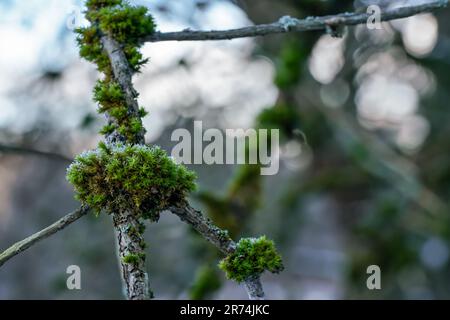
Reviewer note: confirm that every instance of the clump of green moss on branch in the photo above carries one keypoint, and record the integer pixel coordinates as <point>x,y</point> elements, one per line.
<point>130,178</point>
<point>252,257</point>
<point>134,258</point>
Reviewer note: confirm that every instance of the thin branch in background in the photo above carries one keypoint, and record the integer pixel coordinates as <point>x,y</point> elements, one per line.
<point>28,151</point>
<point>289,24</point>
<point>59,225</point>
<point>220,239</point>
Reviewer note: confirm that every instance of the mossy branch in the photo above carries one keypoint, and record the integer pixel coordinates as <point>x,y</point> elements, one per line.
<point>225,244</point>
<point>123,74</point>
<point>288,24</point>
<point>111,43</point>
<point>21,246</point>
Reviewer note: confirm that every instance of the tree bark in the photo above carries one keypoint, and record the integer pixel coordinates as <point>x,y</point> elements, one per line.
<point>23,245</point>
<point>221,240</point>
<point>130,243</point>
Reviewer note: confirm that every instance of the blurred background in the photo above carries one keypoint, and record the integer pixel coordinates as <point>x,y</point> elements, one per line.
<point>365,161</point>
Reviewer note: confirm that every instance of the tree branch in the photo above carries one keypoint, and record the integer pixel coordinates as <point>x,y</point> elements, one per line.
<point>29,151</point>
<point>218,238</point>
<point>288,24</point>
<point>129,244</point>
<point>21,246</point>
<point>382,161</point>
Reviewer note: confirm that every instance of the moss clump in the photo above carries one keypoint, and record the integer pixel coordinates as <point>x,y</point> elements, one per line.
<point>134,258</point>
<point>111,99</point>
<point>134,178</point>
<point>252,257</point>
<point>127,25</point>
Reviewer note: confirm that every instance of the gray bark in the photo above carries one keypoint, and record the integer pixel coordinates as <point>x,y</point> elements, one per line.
<point>21,246</point>
<point>134,275</point>
<point>130,242</point>
<point>288,24</point>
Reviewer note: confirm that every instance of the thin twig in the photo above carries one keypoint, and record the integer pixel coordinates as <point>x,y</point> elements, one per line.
<point>28,151</point>
<point>288,24</point>
<point>21,246</point>
<point>220,239</point>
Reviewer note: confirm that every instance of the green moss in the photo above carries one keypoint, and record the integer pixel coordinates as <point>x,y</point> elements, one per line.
<point>107,129</point>
<point>91,49</point>
<point>108,93</point>
<point>142,112</point>
<point>289,67</point>
<point>135,178</point>
<point>111,99</point>
<point>97,4</point>
<point>127,25</point>
<point>141,228</point>
<point>134,258</point>
<point>252,257</point>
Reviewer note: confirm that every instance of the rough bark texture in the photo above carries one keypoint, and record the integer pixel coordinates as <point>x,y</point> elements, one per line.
<point>205,227</point>
<point>21,246</point>
<point>130,243</point>
<point>123,75</point>
<point>254,288</point>
<point>220,239</point>
<point>288,24</point>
